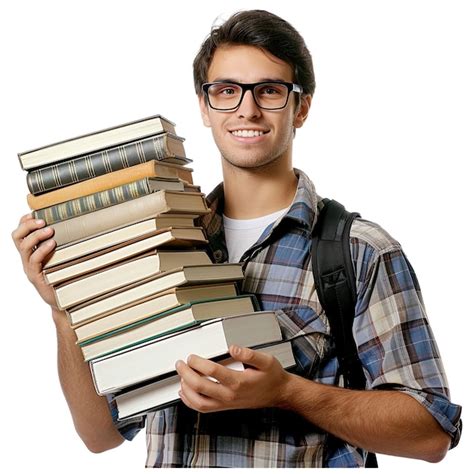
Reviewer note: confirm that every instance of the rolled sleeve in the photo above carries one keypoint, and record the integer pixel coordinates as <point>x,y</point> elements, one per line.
<point>129,427</point>
<point>395,342</point>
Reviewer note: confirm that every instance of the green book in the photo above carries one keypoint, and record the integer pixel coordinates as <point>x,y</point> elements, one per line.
<point>167,322</point>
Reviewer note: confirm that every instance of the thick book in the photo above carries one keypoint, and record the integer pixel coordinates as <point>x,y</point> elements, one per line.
<point>95,202</point>
<point>164,323</point>
<point>122,274</point>
<point>174,237</point>
<point>129,212</point>
<point>157,395</point>
<point>186,276</point>
<point>158,357</point>
<point>123,235</point>
<point>95,141</point>
<point>150,169</point>
<point>150,306</point>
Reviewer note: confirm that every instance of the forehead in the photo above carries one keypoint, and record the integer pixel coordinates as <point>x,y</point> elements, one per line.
<point>244,63</point>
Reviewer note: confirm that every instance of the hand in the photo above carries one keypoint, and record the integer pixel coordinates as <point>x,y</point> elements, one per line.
<point>34,243</point>
<point>258,386</point>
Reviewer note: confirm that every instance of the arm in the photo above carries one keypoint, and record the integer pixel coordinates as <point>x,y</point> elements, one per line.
<point>90,412</point>
<point>387,422</point>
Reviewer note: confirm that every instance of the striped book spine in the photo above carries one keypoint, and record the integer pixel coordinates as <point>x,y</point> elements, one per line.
<point>93,202</point>
<point>99,163</point>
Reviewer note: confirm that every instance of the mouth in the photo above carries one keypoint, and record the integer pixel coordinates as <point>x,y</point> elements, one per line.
<point>247,133</point>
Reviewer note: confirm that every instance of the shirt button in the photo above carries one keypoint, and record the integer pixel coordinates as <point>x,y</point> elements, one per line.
<point>218,255</point>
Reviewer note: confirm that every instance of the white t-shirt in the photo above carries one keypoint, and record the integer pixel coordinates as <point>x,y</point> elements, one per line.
<point>241,234</point>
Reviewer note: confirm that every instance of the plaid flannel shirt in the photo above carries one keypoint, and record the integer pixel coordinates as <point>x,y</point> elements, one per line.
<point>394,339</point>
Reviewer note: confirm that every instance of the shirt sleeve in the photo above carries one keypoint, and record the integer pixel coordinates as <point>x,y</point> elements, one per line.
<point>395,342</point>
<point>129,427</point>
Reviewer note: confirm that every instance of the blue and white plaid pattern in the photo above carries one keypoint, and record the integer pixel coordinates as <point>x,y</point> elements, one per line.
<point>393,336</point>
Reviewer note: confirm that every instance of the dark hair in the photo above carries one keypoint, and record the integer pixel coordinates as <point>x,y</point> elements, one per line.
<point>264,30</point>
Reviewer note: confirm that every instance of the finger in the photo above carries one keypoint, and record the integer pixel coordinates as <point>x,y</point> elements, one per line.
<point>26,217</point>
<point>256,359</point>
<point>26,228</point>
<point>217,371</point>
<point>202,384</point>
<point>197,401</point>
<point>30,243</point>
<point>42,253</point>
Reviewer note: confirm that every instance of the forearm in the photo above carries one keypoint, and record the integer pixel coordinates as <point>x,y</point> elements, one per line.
<point>387,422</point>
<point>90,412</point>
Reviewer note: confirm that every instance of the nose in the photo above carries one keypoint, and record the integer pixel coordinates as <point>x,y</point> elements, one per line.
<point>248,108</point>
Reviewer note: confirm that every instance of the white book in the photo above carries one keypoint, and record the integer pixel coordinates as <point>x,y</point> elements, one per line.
<point>158,357</point>
<point>158,395</point>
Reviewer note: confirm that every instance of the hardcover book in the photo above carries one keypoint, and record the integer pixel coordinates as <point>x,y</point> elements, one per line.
<point>150,169</point>
<point>158,357</point>
<point>95,141</point>
<point>162,393</point>
<point>129,212</point>
<point>122,235</point>
<point>186,276</point>
<point>165,323</point>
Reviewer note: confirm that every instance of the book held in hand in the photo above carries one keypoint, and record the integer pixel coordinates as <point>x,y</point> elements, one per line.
<point>158,357</point>
<point>162,393</point>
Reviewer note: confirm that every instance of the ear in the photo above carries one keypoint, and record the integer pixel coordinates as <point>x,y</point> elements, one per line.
<point>204,111</point>
<point>303,111</point>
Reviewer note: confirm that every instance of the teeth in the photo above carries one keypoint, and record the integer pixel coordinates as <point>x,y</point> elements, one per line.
<point>247,133</point>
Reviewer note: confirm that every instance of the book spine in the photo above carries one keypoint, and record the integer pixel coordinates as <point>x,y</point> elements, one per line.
<point>93,202</point>
<point>97,164</point>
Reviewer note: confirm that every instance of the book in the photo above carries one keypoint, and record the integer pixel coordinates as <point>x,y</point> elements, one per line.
<point>129,212</point>
<point>121,275</point>
<point>94,202</point>
<point>154,358</point>
<point>176,237</point>
<point>157,395</point>
<point>122,235</point>
<point>150,169</point>
<point>95,141</point>
<point>149,306</point>
<point>186,276</point>
<point>165,323</point>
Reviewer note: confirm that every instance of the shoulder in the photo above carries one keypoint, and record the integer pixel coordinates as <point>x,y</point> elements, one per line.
<point>371,235</point>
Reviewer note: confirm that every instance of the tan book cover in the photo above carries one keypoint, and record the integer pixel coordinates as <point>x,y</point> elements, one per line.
<point>135,292</point>
<point>68,252</point>
<point>172,237</point>
<point>129,212</point>
<point>150,169</point>
<point>149,306</point>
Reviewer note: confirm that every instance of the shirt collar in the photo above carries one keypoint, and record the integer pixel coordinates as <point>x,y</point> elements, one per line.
<point>303,212</point>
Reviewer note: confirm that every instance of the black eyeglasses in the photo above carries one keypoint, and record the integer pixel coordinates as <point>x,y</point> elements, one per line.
<point>271,95</point>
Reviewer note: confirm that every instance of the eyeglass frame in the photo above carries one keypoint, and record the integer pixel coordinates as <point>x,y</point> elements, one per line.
<point>291,86</point>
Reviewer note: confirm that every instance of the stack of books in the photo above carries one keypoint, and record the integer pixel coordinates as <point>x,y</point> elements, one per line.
<point>131,270</point>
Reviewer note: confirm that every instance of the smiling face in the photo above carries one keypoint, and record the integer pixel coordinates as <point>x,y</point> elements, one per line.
<point>250,137</point>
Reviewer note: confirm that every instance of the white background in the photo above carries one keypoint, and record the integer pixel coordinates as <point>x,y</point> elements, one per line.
<point>390,134</point>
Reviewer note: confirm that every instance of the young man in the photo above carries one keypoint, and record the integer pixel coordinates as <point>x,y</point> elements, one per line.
<point>254,79</point>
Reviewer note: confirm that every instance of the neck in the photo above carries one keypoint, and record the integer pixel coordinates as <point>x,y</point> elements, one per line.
<point>254,192</point>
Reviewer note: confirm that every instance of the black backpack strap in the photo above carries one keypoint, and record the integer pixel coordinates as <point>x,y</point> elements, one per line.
<point>335,283</point>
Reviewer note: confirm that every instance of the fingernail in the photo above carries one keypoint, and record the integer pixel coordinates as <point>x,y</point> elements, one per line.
<point>39,221</point>
<point>237,350</point>
<point>46,230</point>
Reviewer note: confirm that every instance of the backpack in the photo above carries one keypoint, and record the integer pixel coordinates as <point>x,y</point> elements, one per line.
<point>336,287</point>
